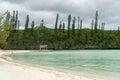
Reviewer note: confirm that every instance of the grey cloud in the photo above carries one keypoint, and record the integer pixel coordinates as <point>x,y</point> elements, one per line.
<point>15,1</point>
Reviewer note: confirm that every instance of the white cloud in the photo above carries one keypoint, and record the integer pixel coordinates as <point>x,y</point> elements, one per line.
<point>109,10</point>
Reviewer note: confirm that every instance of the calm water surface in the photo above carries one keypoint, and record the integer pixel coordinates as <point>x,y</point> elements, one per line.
<point>101,62</point>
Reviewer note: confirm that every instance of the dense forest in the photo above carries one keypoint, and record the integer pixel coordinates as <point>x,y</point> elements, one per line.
<point>70,35</point>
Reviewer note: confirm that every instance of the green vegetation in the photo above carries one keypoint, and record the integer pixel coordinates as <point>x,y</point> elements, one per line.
<point>70,36</point>
<point>4,29</point>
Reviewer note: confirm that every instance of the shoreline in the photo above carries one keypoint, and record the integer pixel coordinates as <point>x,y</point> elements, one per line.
<point>58,74</point>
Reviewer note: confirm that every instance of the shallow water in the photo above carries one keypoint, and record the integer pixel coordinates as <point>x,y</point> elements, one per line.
<point>100,62</point>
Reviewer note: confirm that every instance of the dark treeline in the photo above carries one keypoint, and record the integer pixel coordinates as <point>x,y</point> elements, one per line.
<point>70,35</point>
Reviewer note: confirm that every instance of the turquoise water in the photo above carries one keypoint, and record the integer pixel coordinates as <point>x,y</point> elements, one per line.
<point>100,62</point>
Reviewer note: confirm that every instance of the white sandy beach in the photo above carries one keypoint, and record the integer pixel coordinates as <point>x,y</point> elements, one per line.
<point>14,71</point>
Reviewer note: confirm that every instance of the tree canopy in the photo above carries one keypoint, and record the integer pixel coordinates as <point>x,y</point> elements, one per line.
<point>63,36</point>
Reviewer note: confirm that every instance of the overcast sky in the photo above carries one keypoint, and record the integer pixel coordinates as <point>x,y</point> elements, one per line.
<point>109,10</point>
